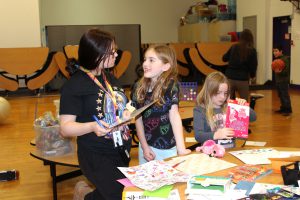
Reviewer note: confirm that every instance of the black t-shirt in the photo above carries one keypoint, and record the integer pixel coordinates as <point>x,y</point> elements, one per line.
<point>158,130</point>
<point>82,97</point>
<point>240,69</point>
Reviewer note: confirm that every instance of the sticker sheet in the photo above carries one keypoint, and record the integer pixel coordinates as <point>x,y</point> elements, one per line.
<point>153,175</point>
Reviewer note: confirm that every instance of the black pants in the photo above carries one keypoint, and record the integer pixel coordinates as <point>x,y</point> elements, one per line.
<point>283,94</point>
<point>101,170</point>
<point>241,87</point>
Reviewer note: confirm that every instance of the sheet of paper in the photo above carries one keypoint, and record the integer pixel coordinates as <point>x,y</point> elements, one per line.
<point>255,156</point>
<point>126,182</point>
<point>200,163</point>
<point>162,192</point>
<point>190,139</point>
<point>134,195</point>
<point>255,143</point>
<point>153,175</point>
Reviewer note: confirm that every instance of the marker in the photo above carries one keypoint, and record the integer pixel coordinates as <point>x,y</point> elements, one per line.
<point>98,122</point>
<point>176,165</point>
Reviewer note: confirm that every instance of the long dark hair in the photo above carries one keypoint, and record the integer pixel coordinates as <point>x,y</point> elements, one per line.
<point>246,44</point>
<point>93,48</point>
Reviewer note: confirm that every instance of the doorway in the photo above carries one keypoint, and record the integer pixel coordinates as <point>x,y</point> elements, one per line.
<point>250,23</point>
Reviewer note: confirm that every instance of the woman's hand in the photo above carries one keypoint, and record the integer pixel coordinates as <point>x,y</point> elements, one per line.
<point>100,130</point>
<point>224,133</point>
<point>126,114</point>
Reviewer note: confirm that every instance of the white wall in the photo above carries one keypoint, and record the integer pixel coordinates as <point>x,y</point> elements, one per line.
<point>265,11</point>
<point>20,23</point>
<point>295,49</point>
<point>159,19</point>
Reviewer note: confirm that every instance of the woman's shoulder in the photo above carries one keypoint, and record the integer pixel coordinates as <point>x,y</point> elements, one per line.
<point>78,83</point>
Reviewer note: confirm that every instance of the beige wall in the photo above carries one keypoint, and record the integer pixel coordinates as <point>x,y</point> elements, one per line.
<point>265,11</point>
<point>20,23</point>
<point>159,19</point>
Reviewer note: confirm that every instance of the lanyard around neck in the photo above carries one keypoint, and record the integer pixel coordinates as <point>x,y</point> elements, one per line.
<point>109,92</point>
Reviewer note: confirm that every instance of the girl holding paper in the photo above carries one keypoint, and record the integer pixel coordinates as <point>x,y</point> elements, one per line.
<point>210,113</point>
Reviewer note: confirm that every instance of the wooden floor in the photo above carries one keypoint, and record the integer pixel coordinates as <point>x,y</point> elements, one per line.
<point>35,181</point>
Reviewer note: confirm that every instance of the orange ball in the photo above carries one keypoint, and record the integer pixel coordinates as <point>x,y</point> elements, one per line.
<point>278,64</point>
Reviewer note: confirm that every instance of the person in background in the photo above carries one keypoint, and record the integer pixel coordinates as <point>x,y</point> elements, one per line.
<point>159,129</point>
<point>242,65</point>
<point>210,112</point>
<point>90,101</point>
<point>282,80</point>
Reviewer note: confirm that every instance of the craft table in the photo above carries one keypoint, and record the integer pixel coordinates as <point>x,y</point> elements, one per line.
<point>273,178</point>
<point>186,113</point>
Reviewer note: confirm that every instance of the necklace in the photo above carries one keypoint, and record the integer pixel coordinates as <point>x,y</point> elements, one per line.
<point>108,91</point>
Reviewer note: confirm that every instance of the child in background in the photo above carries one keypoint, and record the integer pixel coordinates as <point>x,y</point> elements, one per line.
<point>210,113</point>
<point>282,79</point>
<point>159,128</point>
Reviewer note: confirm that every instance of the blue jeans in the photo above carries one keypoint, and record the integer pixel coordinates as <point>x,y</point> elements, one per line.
<point>283,94</point>
<point>160,154</point>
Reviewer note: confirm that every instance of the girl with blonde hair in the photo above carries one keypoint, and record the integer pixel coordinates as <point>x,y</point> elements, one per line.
<point>159,128</point>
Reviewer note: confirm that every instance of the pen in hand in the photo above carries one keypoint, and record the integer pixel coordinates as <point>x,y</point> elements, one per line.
<point>98,122</point>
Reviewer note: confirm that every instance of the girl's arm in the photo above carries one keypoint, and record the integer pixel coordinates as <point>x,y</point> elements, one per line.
<point>148,153</point>
<point>202,130</point>
<point>178,130</point>
<point>69,127</point>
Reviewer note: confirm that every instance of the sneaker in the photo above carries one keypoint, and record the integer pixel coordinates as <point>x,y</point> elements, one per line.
<point>81,189</point>
<point>286,114</point>
<point>280,111</point>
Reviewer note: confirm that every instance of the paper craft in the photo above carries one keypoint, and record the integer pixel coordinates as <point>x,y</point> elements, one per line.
<point>248,172</point>
<point>237,117</point>
<point>200,163</point>
<point>153,175</point>
<point>208,185</point>
<point>133,115</point>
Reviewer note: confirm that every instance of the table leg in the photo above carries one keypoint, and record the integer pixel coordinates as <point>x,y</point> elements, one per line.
<point>53,175</point>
